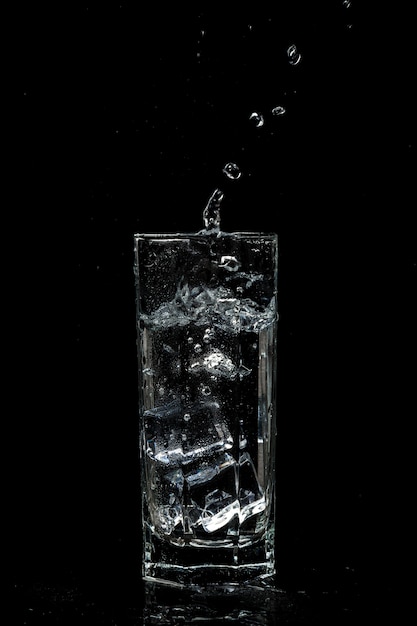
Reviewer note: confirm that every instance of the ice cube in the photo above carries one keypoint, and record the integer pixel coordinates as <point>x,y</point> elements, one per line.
<point>251,496</point>
<point>173,440</point>
<point>175,480</point>
<point>207,470</point>
<point>218,475</point>
<point>168,517</point>
<point>165,499</point>
<point>220,508</point>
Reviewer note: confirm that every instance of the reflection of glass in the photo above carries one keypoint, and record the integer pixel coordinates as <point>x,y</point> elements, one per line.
<point>218,605</point>
<point>207,317</point>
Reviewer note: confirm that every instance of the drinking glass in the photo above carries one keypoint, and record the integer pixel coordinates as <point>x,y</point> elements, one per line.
<point>207,347</point>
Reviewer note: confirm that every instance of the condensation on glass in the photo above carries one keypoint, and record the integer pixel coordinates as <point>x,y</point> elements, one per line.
<point>207,324</point>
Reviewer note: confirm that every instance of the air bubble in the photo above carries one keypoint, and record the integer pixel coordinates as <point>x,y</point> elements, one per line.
<point>257,119</point>
<point>187,417</point>
<point>208,335</point>
<point>232,171</point>
<point>278,111</point>
<point>229,263</point>
<point>294,57</point>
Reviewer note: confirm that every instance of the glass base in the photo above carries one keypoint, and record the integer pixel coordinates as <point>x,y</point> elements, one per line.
<point>206,566</point>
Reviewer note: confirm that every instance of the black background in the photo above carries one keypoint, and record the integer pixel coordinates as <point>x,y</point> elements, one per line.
<point>125,116</point>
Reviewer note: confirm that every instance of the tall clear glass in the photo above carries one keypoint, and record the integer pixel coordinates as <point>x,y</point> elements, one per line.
<point>207,343</point>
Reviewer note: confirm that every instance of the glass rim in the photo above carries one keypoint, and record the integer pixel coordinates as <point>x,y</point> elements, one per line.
<point>205,236</point>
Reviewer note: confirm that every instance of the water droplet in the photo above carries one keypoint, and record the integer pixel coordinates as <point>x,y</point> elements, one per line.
<point>347,3</point>
<point>197,348</point>
<point>256,119</point>
<point>278,111</point>
<point>294,57</point>
<point>187,417</point>
<point>211,213</point>
<point>232,171</point>
<point>190,340</point>
<point>206,391</point>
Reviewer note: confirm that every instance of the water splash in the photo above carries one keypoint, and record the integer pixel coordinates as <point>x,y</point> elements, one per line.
<point>211,213</point>
<point>232,171</point>
<point>278,111</point>
<point>257,119</point>
<point>293,54</point>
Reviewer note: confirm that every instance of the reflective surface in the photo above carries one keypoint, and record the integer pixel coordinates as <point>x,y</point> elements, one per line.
<point>70,603</point>
<point>218,605</point>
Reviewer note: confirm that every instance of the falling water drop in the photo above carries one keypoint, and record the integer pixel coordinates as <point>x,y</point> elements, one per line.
<point>347,3</point>
<point>278,110</point>
<point>294,56</point>
<point>211,213</point>
<point>257,119</point>
<point>232,171</point>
